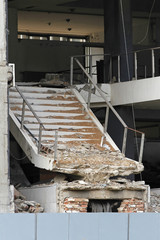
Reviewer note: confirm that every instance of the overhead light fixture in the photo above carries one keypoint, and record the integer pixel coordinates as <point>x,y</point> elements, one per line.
<point>72,10</point>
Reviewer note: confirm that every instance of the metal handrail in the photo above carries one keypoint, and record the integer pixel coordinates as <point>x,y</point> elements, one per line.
<point>25,102</point>
<point>114,55</point>
<point>120,55</point>
<point>109,106</point>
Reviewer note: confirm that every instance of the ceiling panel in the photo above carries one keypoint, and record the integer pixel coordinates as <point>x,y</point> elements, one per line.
<point>57,23</point>
<point>78,6</point>
<point>86,7</point>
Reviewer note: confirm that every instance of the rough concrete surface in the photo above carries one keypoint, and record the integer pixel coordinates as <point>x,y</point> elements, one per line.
<point>93,163</point>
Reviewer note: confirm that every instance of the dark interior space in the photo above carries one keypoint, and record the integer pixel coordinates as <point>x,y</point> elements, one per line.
<point>103,205</point>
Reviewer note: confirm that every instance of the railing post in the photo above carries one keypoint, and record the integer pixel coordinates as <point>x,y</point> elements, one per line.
<point>135,65</point>
<point>40,138</point>
<point>141,148</point>
<point>153,63</point>
<point>124,141</point>
<point>110,69</point>
<point>90,65</point>
<point>23,112</point>
<point>90,83</point>
<point>119,68</point>
<point>71,71</point>
<point>145,71</point>
<point>55,145</point>
<point>106,119</point>
<point>89,95</point>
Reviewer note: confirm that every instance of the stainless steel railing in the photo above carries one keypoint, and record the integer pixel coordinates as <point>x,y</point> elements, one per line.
<point>41,126</point>
<point>145,63</point>
<point>108,107</point>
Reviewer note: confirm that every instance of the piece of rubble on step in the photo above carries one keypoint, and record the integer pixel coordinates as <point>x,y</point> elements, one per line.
<point>94,164</point>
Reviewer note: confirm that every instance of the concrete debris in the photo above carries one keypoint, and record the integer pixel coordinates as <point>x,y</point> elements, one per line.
<point>110,185</point>
<point>52,79</point>
<point>24,206</point>
<point>154,205</point>
<point>94,164</point>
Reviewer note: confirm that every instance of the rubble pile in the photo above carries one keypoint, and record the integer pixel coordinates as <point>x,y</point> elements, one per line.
<point>22,205</point>
<point>94,163</point>
<point>154,205</point>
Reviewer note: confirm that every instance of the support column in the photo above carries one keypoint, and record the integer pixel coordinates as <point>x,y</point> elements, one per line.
<point>118,41</point>
<point>4,176</point>
<point>118,38</point>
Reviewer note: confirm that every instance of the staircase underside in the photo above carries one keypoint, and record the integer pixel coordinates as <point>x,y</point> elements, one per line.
<point>79,149</point>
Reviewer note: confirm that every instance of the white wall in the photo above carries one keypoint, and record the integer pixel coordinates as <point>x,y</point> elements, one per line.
<point>46,195</point>
<point>136,91</point>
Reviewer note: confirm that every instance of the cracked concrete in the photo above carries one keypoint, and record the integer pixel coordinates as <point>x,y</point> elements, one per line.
<point>93,163</point>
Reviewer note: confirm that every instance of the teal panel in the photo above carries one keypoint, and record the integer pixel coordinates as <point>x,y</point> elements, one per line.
<point>52,226</point>
<point>144,226</point>
<point>113,226</point>
<point>83,226</point>
<point>17,226</point>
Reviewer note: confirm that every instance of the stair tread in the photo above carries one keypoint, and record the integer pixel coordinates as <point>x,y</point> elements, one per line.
<point>58,109</point>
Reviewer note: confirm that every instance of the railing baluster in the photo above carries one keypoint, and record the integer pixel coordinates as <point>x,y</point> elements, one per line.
<point>40,138</point>
<point>135,65</point>
<point>23,113</point>
<point>106,119</point>
<point>89,95</point>
<point>119,68</point>
<point>71,71</point>
<point>90,83</point>
<point>153,63</point>
<point>90,65</point>
<point>124,141</point>
<point>55,145</point>
<point>141,147</point>
<point>110,69</point>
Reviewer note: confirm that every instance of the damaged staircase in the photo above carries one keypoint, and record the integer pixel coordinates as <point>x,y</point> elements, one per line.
<point>58,132</point>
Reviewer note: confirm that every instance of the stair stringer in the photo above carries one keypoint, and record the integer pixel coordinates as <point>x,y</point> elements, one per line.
<point>28,146</point>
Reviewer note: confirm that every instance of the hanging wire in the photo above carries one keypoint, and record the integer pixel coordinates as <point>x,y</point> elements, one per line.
<point>128,69</point>
<point>147,30</point>
<point>18,159</point>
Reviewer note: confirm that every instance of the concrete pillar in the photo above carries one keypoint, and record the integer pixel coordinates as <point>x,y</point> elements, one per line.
<point>118,41</point>
<point>118,37</point>
<point>4,176</point>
